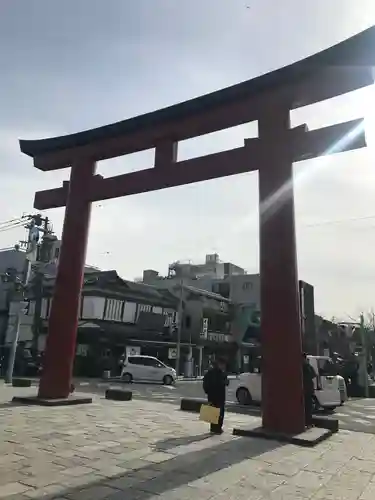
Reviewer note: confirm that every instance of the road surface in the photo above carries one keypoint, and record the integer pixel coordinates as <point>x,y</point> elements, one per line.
<point>355,415</point>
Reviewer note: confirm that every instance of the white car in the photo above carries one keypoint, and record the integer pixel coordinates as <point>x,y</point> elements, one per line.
<point>327,390</point>
<point>147,369</point>
<point>343,389</point>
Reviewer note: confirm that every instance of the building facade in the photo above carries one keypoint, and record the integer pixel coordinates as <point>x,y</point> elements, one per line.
<point>242,290</point>
<point>118,316</point>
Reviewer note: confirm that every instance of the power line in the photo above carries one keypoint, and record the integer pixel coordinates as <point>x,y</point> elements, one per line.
<point>17,219</point>
<point>340,221</point>
<point>13,223</point>
<point>12,226</point>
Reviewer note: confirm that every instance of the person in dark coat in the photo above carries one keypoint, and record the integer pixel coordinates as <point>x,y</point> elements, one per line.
<point>215,382</point>
<point>309,375</point>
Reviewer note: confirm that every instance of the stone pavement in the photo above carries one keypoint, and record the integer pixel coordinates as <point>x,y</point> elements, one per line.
<point>149,450</point>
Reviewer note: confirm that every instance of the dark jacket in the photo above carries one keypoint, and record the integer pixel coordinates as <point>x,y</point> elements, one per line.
<point>309,376</point>
<point>214,385</point>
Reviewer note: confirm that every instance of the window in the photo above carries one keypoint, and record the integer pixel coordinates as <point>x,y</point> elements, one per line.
<point>93,307</point>
<point>326,367</point>
<point>187,321</point>
<point>135,360</point>
<point>143,361</point>
<point>145,308</point>
<point>222,289</point>
<point>130,309</point>
<point>113,310</point>
<point>247,286</point>
<point>151,362</point>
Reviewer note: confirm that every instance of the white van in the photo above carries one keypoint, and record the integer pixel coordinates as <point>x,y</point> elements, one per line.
<point>327,386</point>
<point>147,369</point>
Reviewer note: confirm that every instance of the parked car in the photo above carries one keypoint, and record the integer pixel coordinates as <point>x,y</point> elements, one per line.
<point>328,388</point>
<point>343,389</point>
<point>147,369</point>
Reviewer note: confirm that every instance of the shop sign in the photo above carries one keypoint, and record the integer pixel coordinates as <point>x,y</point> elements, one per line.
<point>204,328</point>
<point>133,350</point>
<point>172,353</point>
<point>218,337</point>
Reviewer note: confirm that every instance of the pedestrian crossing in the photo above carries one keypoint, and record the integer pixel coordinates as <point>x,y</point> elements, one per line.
<point>357,416</point>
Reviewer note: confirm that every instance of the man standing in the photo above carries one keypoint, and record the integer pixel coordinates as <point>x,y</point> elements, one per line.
<point>309,376</point>
<point>214,385</point>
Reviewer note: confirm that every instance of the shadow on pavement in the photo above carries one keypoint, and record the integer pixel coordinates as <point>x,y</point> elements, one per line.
<point>165,475</point>
<point>10,404</point>
<point>181,441</point>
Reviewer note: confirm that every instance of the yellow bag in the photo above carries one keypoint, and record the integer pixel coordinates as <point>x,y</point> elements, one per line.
<point>209,414</point>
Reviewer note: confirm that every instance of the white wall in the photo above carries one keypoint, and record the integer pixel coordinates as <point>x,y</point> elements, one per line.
<point>245,289</point>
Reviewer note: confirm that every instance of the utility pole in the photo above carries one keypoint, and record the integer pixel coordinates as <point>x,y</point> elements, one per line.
<point>179,326</point>
<point>30,255</point>
<point>37,283</point>
<point>32,240</point>
<point>364,353</point>
<point>16,310</point>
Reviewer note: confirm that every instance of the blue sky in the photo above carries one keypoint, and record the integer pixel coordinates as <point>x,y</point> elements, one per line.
<point>77,64</point>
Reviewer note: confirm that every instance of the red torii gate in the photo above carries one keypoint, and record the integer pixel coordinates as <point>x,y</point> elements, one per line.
<point>268,99</point>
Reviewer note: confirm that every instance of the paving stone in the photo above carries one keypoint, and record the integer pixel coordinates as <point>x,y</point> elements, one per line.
<point>123,483</point>
<point>322,465</point>
<point>369,492</point>
<point>9,476</point>
<point>9,458</point>
<point>264,481</point>
<point>10,489</point>
<point>310,480</point>
<point>80,482</point>
<point>78,471</point>
<point>145,474</point>
<point>361,465</point>
<point>40,480</point>
<point>285,467</point>
<point>156,485</point>
<point>290,492</point>
<point>190,493</point>
<point>133,494</point>
<point>110,470</point>
<point>158,457</point>
<point>95,492</point>
<point>50,491</point>
<point>239,493</point>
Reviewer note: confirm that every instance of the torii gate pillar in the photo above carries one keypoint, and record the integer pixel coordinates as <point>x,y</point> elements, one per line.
<point>283,411</point>
<point>60,349</point>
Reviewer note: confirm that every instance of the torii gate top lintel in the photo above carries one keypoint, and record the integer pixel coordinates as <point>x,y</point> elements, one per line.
<point>339,69</point>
